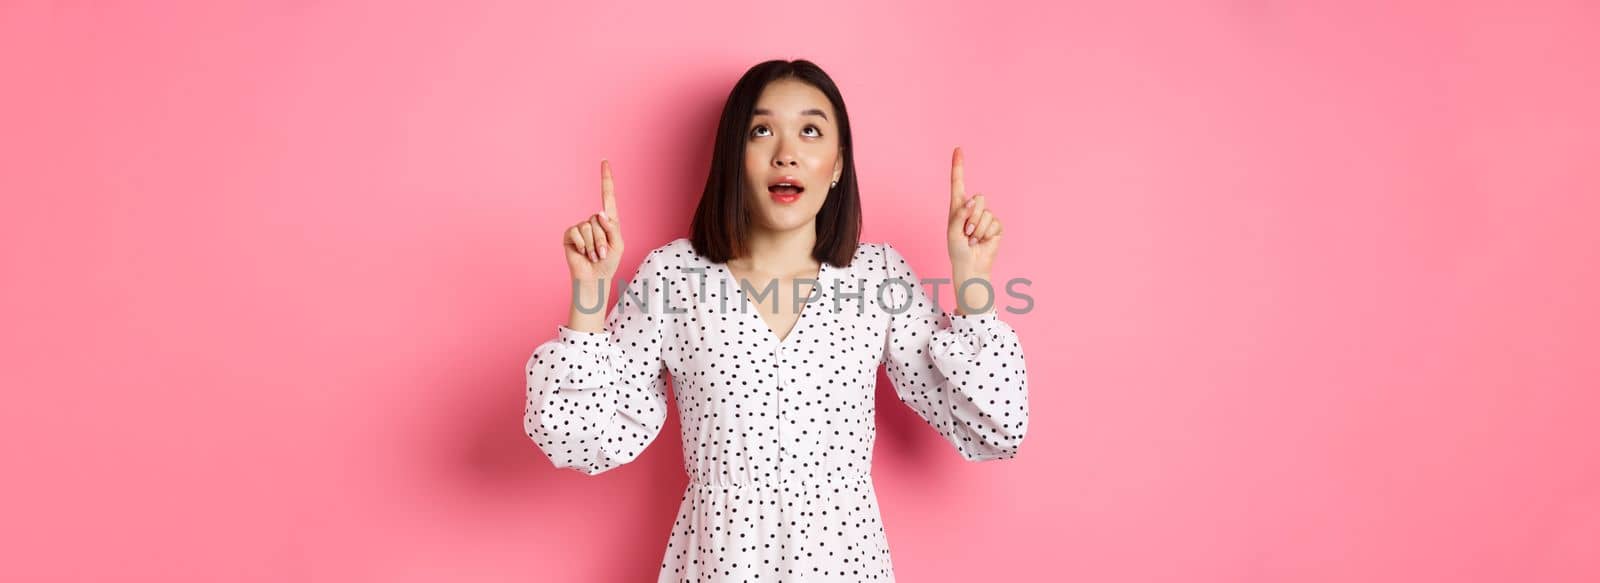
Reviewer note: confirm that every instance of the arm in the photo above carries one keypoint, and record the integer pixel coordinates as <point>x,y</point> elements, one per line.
<point>597,399</point>
<point>964,375</point>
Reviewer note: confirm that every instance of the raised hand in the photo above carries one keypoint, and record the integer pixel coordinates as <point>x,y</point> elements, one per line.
<point>594,245</point>
<point>973,232</point>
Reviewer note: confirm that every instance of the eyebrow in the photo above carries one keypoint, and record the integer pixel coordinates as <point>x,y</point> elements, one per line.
<point>761,111</point>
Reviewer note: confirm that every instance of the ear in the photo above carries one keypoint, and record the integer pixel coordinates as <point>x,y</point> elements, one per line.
<point>838,167</point>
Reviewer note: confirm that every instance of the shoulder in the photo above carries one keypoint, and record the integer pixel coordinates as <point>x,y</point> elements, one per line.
<point>875,258</point>
<point>878,252</point>
<point>675,252</point>
<point>870,249</point>
<point>678,250</point>
<point>669,258</point>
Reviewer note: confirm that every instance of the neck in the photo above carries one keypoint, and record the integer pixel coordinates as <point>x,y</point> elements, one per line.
<point>779,252</point>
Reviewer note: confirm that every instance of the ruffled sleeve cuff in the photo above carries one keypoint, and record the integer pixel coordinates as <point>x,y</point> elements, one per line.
<point>969,335</point>
<point>586,356</point>
<point>590,341</point>
<point>968,325</point>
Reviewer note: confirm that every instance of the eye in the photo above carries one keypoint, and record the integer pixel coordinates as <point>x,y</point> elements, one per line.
<point>815,132</point>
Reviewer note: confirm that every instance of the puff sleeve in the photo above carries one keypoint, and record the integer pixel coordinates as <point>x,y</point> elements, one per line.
<point>964,375</point>
<point>597,399</point>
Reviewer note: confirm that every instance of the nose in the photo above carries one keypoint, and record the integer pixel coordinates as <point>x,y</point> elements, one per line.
<point>785,160</point>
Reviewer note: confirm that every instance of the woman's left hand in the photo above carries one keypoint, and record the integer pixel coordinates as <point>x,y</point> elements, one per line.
<point>973,237</point>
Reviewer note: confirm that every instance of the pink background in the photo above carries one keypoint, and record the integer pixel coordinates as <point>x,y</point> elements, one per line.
<point>1315,287</point>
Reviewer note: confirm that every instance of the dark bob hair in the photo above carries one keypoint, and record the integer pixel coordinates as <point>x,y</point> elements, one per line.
<point>722,219</point>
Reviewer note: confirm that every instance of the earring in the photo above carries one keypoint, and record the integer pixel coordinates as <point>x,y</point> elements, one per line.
<point>835,184</point>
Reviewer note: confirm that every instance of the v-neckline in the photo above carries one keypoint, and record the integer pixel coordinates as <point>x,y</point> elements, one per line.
<point>755,310</point>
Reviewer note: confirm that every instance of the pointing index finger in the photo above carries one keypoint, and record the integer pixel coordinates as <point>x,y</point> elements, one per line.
<point>608,197</point>
<point>958,187</point>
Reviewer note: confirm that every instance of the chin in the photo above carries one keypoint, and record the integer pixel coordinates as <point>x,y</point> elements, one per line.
<point>787,219</point>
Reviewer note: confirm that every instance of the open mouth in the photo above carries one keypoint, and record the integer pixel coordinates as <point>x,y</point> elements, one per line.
<point>785,189</point>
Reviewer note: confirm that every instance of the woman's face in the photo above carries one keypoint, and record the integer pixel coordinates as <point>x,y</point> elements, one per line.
<point>792,138</point>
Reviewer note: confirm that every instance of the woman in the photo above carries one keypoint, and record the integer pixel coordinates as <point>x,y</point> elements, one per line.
<point>772,319</point>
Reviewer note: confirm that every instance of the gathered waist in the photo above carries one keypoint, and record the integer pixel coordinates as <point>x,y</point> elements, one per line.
<point>699,481</point>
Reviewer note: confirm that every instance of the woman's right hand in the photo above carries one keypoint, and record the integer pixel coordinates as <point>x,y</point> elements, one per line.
<point>594,245</point>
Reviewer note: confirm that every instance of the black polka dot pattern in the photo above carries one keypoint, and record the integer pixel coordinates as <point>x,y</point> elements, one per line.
<point>777,432</point>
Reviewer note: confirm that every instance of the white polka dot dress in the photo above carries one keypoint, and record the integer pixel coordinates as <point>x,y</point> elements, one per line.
<point>777,433</point>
